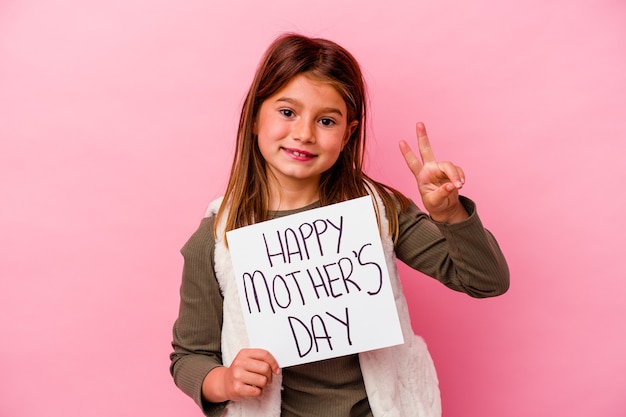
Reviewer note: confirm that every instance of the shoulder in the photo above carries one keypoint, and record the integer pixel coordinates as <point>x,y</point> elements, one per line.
<point>202,241</point>
<point>214,206</point>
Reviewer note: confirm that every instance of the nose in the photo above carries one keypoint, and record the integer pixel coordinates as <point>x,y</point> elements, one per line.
<point>303,131</point>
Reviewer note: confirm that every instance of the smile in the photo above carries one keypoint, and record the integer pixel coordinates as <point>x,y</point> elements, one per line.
<point>299,154</point>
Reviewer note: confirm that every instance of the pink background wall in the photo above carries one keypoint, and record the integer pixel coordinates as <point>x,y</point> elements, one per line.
<point>116,129</point>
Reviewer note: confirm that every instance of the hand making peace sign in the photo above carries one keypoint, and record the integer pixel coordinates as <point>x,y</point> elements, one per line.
<point>437,182</point>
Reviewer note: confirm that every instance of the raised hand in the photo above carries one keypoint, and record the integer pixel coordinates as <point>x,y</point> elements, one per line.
<point>437,182</point>
<point>249,373</point>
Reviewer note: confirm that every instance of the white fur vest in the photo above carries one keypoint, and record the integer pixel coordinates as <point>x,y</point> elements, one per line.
<point>400,381</point>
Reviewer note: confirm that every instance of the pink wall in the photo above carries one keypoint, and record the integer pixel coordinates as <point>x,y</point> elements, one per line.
<point>116,130</point>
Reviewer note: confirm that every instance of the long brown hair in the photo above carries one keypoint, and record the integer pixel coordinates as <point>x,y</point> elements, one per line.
<point>247,192</point>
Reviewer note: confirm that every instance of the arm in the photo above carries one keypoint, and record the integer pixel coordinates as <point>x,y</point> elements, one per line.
<point>196,363</point>
<point>450,244</point>
<point>464,256</point>
<point>197,330</point>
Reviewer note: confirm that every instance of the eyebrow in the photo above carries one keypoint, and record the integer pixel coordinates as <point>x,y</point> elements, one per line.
<point>293,101</point>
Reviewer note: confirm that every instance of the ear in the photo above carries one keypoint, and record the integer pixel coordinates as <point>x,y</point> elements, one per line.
<point>349,131</point>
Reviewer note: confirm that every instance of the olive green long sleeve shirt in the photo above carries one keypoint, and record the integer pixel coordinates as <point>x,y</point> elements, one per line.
<point>463,256</point>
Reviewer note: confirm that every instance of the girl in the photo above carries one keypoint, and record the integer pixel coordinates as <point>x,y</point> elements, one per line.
<point>300,145</point>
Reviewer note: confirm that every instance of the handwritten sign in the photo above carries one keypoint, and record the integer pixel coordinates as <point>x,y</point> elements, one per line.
<point>314,285</point>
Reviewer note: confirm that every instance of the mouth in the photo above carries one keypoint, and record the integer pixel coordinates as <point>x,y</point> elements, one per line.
<point>299,154</point>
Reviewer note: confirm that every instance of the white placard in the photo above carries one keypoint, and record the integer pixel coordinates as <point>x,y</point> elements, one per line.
<point>314,285</point>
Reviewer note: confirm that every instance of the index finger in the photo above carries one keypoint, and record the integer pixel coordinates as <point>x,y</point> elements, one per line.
<point>426,151</point>
<point>267,357</point>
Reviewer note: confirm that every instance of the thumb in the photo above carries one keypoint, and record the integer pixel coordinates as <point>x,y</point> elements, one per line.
<point>440,197</point>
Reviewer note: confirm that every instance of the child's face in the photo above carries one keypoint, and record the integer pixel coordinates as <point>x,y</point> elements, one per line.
<point>301,131</point>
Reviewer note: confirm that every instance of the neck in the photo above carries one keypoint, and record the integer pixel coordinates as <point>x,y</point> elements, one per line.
<point>293,196</point>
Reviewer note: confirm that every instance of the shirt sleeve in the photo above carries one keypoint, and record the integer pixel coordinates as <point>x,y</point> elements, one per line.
<point>463,256</point>
<point>197,330</point>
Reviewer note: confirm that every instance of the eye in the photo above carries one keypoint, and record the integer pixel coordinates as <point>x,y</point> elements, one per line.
<point>286,112</point>
<point>327,122</point>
